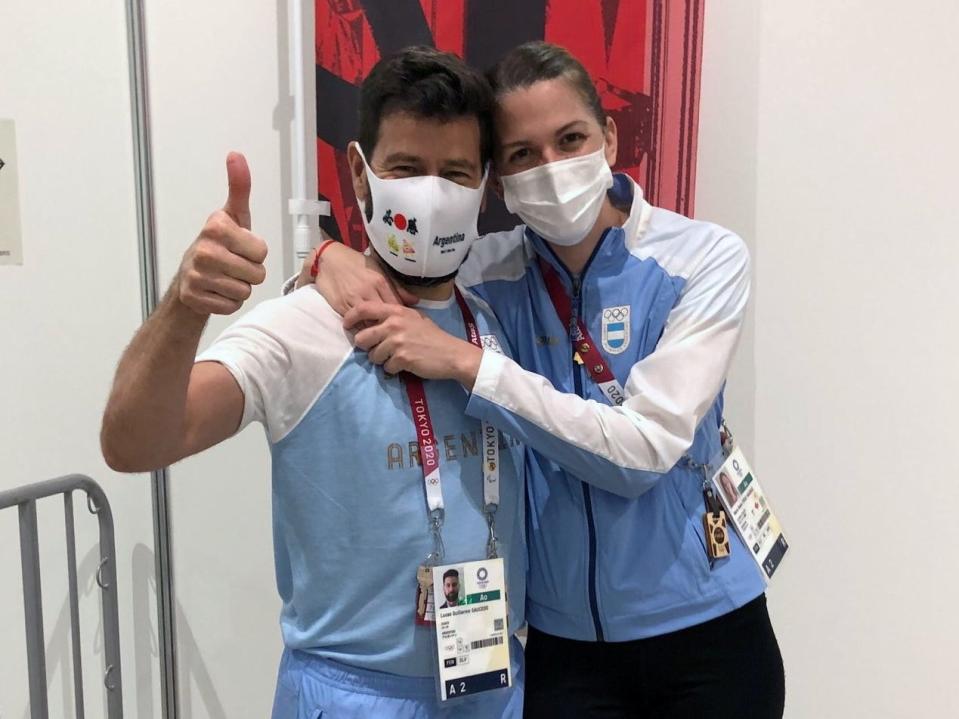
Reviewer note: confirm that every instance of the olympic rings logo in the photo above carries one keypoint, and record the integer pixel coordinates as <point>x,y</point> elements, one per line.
<point>616,313</point>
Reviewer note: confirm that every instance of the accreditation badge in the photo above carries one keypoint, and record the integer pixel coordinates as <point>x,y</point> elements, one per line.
<point>472,635</point>
<point>746,503</point>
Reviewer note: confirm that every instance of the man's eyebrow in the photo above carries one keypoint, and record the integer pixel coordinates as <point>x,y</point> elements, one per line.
<point>402,157</point>
<point>460,162</point>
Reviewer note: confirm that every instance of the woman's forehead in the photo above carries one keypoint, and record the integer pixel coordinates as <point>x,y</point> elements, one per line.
<point>539,109</point>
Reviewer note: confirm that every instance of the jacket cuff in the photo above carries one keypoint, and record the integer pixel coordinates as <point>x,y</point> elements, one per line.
<point>487,379</point>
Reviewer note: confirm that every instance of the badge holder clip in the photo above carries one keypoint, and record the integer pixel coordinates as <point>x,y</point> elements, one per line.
<point>435,557</point>
<point>492,544</point>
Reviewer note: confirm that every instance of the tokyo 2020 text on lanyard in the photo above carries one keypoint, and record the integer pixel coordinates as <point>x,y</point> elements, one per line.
<point>432,478</point>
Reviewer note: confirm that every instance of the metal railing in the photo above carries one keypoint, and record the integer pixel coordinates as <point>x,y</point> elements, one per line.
<point>25,499</point>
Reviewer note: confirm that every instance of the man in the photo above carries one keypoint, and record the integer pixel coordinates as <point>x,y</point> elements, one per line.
<point>451,589</point>
<point>376,478</point>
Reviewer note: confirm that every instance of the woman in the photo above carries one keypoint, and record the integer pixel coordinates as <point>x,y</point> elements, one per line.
<point>623,319</point>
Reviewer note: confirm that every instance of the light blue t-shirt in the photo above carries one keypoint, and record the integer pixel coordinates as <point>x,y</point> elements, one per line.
<point>350,522</point>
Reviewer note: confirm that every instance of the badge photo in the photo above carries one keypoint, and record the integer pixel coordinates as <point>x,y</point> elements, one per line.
<point>616,329</point>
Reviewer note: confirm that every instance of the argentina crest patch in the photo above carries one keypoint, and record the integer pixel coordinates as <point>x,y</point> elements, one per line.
<point>616,329</point>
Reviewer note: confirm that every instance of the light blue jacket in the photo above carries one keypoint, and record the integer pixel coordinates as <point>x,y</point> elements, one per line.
<point>615,505</point>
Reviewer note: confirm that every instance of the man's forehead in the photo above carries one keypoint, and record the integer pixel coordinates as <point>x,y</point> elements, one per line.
<point>404,137</point>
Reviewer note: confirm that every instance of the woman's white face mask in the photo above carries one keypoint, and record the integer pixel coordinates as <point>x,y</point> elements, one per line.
<point>560,200</point>
<point>421,226</point>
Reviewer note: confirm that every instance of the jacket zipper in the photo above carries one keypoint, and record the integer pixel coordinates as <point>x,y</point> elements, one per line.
<point>577,283</point>
<point>587,494</point>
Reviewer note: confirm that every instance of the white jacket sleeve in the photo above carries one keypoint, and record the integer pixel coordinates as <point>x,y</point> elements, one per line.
<point>626,449</point>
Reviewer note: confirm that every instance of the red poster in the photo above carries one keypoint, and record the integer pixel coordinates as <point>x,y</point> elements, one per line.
<point>644,55</point>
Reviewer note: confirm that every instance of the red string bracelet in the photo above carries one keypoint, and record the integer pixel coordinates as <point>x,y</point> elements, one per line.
<point>315,267</point>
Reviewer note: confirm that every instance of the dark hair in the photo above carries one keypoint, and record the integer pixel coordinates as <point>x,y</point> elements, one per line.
<point>451,573</point>
<point>427,83</point>
<point>534,61</point>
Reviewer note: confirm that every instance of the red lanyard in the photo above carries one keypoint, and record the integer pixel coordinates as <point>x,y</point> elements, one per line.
<point>583,344</point>
<point>429,454</point>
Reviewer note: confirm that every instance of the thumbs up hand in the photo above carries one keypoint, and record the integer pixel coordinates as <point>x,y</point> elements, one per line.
<point>226,259</point>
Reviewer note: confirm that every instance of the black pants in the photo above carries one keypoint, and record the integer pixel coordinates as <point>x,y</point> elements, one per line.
<point>727,668</point>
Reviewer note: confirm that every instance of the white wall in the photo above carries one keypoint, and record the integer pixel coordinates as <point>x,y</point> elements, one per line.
<point>65,316</point>
<point>69,311</point>
<point>218,82</point>
<point>726,170</point>
<point>856,316</point>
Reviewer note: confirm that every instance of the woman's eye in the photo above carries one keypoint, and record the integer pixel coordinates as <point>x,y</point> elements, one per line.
<point>571,138</point>
<point>519,155</point>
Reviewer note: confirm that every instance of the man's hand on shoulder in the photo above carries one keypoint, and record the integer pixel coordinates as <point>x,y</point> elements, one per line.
<point>219,269</point>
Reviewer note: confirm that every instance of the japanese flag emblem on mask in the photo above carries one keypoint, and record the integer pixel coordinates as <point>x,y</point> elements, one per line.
<point>421,226</point>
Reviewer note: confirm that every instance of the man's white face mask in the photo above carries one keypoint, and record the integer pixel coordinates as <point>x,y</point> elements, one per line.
<point>421,226</point>
<point>560,200</point>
